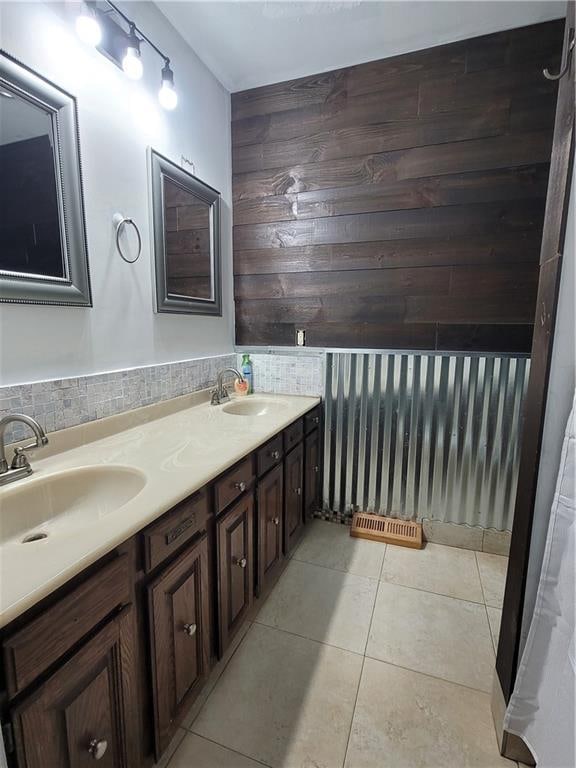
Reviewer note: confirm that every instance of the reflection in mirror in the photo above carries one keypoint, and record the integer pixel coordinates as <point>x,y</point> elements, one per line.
<point>43,253</point>
<point>188,243</point>
<point>186,219</point>
<point>30,237</point>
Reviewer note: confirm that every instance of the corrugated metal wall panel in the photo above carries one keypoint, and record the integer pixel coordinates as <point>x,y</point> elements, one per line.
<point>424,436</point>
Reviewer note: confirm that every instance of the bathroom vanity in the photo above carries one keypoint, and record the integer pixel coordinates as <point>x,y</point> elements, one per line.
<point>105,665</point>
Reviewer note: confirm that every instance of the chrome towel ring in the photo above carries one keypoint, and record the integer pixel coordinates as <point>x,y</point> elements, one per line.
<point>120,220</point>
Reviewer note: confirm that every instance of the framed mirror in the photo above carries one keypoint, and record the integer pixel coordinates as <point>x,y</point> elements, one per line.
<point>43,252</point>
<point>186,220</point>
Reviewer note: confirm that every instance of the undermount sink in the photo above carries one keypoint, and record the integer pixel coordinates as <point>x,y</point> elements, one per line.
<point>253,406</point>
<point>37,508</point>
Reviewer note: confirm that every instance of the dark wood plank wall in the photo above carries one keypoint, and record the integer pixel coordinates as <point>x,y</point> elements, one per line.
<point>399,203</point>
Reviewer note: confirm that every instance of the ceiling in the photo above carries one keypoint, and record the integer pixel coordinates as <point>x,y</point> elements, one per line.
<point>257,42</point>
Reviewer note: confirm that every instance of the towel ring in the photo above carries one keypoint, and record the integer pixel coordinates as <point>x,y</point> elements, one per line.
<point>120,221</point>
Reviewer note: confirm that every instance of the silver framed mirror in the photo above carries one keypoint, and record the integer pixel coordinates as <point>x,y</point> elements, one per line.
<point>43,250</point>
<point>186,235</point>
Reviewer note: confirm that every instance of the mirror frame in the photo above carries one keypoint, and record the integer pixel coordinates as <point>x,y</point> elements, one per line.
<point>161,167</point>
<point>74,289</point>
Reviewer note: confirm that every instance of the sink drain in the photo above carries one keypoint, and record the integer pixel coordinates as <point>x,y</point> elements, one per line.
<point>34,537</point>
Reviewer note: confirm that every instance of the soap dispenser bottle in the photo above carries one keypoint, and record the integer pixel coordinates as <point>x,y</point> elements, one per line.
<point>247,372</point>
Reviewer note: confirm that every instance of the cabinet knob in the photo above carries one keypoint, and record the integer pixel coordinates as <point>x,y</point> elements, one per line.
<point>97,748</point>
<point>276,520</point>
<point>316,468</point>
<point>275,455</point>
<point>316,419</point>
<point>190,629</point>
<point>241,562</point>
<point>298,491</point>
<point>241,486</point>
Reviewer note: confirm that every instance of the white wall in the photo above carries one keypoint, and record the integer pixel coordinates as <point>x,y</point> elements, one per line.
<point>119,119</point>
<point>558,407</point>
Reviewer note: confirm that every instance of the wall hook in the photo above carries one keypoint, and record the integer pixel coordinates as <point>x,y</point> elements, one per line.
<point>119,222</point>
<point>566,66</point>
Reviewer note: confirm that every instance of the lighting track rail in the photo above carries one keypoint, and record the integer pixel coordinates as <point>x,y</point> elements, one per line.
<point>101,26</point>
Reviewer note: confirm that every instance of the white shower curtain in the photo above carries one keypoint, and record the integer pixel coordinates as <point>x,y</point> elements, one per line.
<point>542,708</point>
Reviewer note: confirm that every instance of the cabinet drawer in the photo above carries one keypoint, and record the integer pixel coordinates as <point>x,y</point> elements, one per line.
<point>312,419</point>
<point>174,529</point>
<point>233,483</point>
<point>32,649</point>
<point>293,434</point>
<point>269,455</point>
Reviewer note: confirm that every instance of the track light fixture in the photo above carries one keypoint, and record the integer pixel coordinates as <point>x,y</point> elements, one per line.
<point>102,25</point>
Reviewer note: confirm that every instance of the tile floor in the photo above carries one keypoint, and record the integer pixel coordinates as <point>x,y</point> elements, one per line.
<point>363,656</point>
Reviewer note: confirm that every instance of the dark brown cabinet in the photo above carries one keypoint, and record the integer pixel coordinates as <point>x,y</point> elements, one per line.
<point>179,610</point>
<point>107,666</point>
<point>293,497</point>
<point>269,507</point>
<point>312,474</point>
<point>234,531</point>
<point>85,711</point>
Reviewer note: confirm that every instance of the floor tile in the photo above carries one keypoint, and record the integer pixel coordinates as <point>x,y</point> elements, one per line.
<point>493,577</point>
<point>284,700</point>
<point>196,752</point>
<point>431,633</point>
<point>436,568</point>
<point>325,605</point>
<point>407,720</point>
<point>330,545</point>
<point>453,535</point>
<point>496,542</point>
<point>494,619</point>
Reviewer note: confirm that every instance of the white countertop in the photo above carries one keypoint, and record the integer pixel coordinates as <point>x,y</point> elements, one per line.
<point>177,452</point>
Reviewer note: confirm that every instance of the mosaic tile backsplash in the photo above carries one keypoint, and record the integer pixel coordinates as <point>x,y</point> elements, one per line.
<point>62,403</point>
<point>288,374</point>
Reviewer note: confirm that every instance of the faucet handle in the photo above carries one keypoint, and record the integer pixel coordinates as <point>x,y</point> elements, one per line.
<point>20,460</point>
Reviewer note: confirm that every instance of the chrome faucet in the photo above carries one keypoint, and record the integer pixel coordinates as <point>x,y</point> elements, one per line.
<point>220,394</point>
<point>20,466</point>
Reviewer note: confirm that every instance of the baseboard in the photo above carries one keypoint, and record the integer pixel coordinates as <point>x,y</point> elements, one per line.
<point>510,745</point>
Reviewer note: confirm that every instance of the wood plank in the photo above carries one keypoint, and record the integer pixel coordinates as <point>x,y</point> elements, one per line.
<point>504,281</point>
<point>511,339</point>
<point>485,249</point>
<point>294,94</point>
<point>441,159</point>
<point>394,225</point>
<point>372,336</point>
<point>360,139</point>
<point>524,183</point>
<point>467,310</point>
<point>323,309</point>
<point>386,282</point>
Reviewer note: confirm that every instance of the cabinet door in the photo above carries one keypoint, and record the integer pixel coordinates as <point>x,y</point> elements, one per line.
<point>270,501</point>
<point>312,474</point>
<point>180,638</point>
<point>235,567</point>
<point>293,497</point>
<point>87,710</point>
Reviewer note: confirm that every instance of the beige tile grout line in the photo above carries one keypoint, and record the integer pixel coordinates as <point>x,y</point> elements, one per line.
<point>230,749</point>
<point>494,648</point>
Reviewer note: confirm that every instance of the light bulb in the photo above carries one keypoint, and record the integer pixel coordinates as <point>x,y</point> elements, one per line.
<point>167,95</point>
<point>132,63</point>
<point>88,28</point>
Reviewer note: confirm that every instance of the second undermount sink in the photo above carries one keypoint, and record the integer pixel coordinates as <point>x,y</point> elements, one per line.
<point>253,406</point>
<point>43,506</point>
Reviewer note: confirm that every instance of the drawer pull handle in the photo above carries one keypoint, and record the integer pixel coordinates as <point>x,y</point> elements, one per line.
<point>97,748</point>
<point>276,520</point>
<point>298,491</point>
<point>190,629</point>
<point>275,455</point>
<point>241,561</point>
<point>241,486</point>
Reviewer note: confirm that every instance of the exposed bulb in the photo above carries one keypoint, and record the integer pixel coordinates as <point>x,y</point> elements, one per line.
<point>132,63</point>
<point>88,28</point>
<point>167,95</point>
